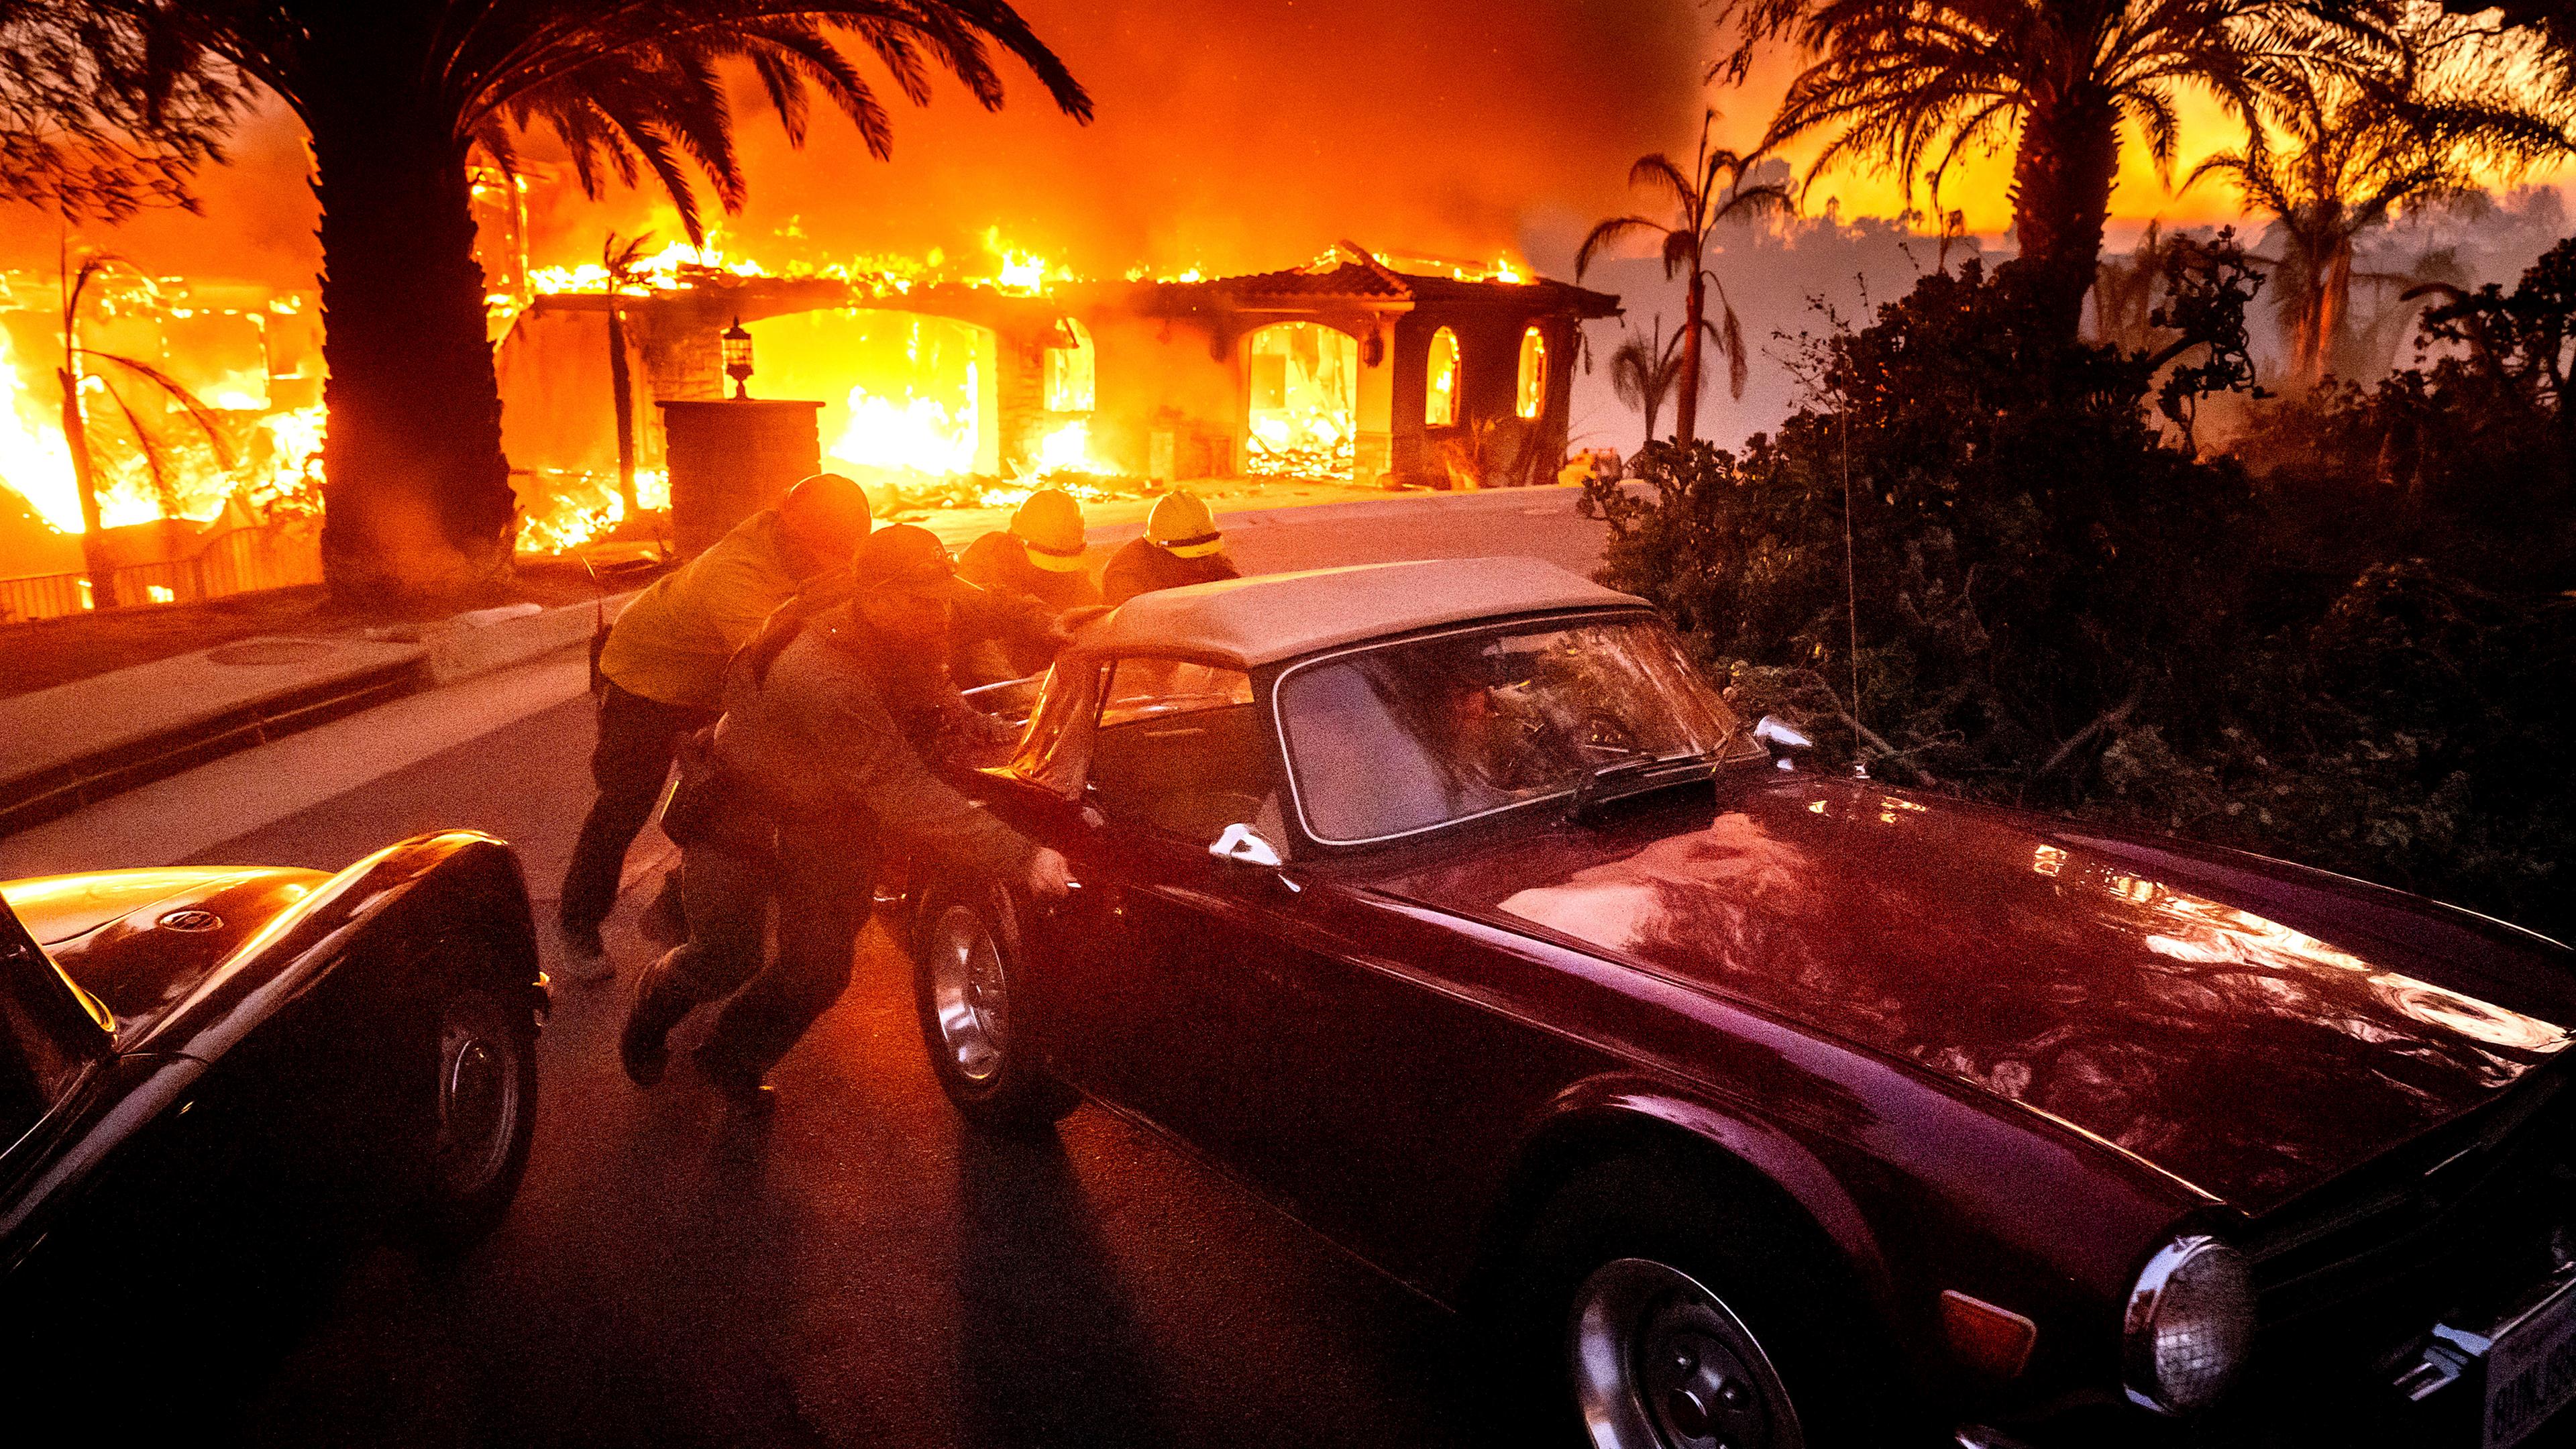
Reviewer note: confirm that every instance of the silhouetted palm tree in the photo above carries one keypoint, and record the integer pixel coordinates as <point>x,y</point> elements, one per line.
<point>1912,84</point>
<point>2337,158</point>
<point>392,93</point>
<point>1643,371</point>
<point>1698,204</point>
<point>2124,291</point>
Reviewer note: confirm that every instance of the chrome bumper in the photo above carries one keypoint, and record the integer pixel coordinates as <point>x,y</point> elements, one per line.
<point>2428,1373</point>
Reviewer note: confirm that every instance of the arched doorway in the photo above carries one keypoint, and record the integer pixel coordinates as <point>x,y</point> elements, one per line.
<point>1440,382</point>
<point>1531,398</point>
<point>906,396</point>
<point>1301,396</point>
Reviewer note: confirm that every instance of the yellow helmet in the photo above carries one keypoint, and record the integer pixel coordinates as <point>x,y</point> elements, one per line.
<point>1050,524</point>
<point>1183,525</point>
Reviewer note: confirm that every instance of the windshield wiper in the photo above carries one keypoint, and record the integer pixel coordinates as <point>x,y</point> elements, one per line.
<point>1632,775</point>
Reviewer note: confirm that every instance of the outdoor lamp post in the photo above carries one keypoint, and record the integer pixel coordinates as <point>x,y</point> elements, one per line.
<point>737,358</point>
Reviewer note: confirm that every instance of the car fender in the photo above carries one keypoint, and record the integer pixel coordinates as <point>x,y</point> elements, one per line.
<point>1615,1110</point>
<point>406,895</point>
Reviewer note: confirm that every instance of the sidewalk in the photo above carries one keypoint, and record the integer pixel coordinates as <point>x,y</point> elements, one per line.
<point>95,738</point>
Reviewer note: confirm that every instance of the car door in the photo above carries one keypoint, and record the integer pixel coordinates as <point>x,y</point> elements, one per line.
<point>1177,758</point>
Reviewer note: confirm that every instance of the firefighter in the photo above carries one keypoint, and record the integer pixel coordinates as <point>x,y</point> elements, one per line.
<point>819,770</point>
<point>663,671</point>
<point>1038,558</point>
<point>1181,546</point>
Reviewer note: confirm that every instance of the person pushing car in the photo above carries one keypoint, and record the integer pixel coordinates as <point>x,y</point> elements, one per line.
<point>1038,558</point>
<point>818,772</point>
<point>663,670</point>
<point>1180,546</point>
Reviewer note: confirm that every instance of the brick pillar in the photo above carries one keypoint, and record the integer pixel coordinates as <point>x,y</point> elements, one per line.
<point>732,458</point>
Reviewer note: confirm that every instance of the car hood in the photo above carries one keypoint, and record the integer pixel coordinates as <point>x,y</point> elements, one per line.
<point>141,940</point>
<point>2245,1026</point>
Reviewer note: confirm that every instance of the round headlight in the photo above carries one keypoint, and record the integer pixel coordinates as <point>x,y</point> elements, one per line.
<point>2190,1321</point>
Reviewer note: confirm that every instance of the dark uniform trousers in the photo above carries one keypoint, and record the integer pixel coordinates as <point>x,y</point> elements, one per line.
<point>823,880</point>
<point>814,778</point>
<point>638,737</point>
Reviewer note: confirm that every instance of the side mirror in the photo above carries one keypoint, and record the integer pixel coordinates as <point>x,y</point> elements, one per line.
<point>1244,846</point>
<point>1781,740</point>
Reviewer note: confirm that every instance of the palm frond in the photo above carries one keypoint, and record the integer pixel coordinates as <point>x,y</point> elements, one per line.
<point>178,392</point>
<point>1656,171</point>
<point>1604,234</point>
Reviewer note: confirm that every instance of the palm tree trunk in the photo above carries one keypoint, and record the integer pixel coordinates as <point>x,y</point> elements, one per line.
<point>417,505</point>
<point>1686,406</point>
<point>2334,309</point>
<point>102,577</point>
<point>624,385</point>
<point>2061,191</point>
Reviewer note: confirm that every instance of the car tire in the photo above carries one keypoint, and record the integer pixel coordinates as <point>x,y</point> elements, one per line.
<point>965,959</point>
<point>482,1117</point>
<point>1666,1308</point>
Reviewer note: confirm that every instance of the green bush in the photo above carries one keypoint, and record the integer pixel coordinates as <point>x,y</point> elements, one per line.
<point>2058,606</point>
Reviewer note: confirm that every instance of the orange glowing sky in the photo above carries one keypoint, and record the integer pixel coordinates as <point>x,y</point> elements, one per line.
<point>1231,134</point>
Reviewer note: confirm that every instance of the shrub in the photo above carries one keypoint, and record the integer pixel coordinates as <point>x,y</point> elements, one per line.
<point>2059,606</point>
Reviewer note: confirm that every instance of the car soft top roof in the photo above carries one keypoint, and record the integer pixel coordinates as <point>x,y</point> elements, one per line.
<point>1254,621</point>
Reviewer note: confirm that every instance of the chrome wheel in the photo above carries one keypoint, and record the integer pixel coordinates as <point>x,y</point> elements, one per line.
<point>1660,1362</point>
<point>969,997</point>
<point>482,1074</point>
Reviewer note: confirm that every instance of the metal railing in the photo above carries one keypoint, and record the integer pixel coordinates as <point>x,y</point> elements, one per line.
<point>235,561</point>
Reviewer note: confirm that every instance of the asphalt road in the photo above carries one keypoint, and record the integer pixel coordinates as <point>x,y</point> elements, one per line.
<point>854,1269</point>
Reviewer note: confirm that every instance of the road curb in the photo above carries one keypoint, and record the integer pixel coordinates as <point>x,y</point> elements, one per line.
<point>489,639</point>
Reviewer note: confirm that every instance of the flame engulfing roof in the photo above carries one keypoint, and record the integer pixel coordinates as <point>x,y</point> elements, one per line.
<point>1268,617</point>
<point>1384,287</point>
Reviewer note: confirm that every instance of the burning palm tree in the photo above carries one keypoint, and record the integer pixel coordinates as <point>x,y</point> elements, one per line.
<point>2357,153</point>
<point>393,93</point>
<point>1698,203</point>
<point>78,378</point>
<point>1914,84</point>
<point>622,263</point>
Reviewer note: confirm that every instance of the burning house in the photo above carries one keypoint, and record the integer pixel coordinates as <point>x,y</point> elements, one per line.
<point>926,381</point>
<point>1357,367</point>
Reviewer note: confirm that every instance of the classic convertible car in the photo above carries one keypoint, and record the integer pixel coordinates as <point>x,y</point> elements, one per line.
<point>1445,906</point>
<point>189,1053</point>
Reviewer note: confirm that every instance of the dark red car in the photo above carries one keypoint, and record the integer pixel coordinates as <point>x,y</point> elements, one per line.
<point>1445,906</point>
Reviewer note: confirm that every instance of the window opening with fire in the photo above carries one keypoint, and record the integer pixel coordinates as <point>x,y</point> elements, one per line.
<point>1440,393</point>
<point>1071,395</point>
<point>1069,375</point>
<point>1303,385</point>
<point>1533,389</point>
<point>906,396</point>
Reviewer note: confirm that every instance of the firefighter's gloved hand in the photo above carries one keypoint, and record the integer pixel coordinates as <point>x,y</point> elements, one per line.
<point>1050,875</point>
<point>1071,621</point>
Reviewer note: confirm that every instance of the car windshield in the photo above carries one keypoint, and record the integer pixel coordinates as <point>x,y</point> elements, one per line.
<point>1393,740</point>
